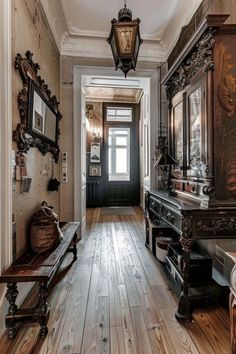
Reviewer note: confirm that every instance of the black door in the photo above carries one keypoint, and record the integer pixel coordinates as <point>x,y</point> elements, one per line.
<point>121,162</point>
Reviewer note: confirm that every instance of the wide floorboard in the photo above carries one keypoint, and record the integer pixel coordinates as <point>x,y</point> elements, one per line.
<point>115,300</point>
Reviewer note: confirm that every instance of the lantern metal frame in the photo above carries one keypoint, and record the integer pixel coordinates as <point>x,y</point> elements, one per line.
<point>125,60</point>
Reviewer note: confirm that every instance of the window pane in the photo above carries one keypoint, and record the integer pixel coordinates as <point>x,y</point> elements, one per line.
<point>119,154</point>
<point>121,132</point>
<point>121,140</point>
<point>119,114</point>
<point>121,160</point>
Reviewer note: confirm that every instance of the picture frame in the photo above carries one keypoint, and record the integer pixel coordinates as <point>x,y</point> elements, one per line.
<point>95,170</point>
<point>95,152</point>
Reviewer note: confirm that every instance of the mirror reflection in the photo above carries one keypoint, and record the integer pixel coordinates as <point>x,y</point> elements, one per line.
<point>42,119</point>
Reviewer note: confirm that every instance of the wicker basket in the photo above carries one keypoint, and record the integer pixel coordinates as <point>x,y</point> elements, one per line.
<point>45,233</point>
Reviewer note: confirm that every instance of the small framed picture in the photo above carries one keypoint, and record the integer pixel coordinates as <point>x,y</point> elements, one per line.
<point>95,152</point>
<point>25,184</point>
<point>95,170</point>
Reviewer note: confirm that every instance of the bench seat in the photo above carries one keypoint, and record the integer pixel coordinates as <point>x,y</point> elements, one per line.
<point>40,268</point>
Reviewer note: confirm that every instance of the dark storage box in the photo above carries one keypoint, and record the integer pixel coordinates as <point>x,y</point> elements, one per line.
<point>200,263</point>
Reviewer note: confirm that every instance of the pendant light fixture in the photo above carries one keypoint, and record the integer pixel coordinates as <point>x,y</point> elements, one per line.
<point>125,40</point>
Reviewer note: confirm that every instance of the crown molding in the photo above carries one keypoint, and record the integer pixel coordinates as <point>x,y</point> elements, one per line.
<point>71,41</point>
<point>181,18</point>
<point>76,31</point>
<point>56,20</point>
<point>94,47</point>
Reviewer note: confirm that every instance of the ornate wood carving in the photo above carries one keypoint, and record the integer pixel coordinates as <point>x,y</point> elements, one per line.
<point>200,57</point>
<point>186,238</point>
<point>29,70</point>
<point>208,189</point>
<point>224,224</point>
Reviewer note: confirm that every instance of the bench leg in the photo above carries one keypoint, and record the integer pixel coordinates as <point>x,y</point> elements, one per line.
<point>43,308</point>
<point>11,296</point>
<point>75,247</point>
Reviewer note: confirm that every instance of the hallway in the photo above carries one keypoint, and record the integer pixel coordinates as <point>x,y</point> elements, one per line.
<point>114,299</point>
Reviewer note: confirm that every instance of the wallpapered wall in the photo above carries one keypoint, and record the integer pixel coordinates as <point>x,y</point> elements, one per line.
<point>30,32</point>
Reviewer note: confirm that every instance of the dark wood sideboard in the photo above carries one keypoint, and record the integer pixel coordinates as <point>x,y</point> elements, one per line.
<point>191,223</point>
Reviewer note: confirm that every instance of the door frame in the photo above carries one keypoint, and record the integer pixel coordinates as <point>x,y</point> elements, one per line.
<point>5,135</point>
<point>79,73</point>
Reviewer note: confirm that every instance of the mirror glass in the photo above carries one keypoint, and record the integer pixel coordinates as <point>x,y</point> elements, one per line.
<point>195,129</point>
<point>42,119</point>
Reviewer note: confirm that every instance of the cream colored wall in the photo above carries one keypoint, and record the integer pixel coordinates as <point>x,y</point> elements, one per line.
<point>30,32</point>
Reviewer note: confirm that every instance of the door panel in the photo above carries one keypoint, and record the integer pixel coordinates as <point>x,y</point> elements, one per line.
<point>121,162</point>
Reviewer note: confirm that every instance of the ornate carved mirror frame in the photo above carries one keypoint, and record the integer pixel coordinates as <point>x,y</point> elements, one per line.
<point>24,136</point>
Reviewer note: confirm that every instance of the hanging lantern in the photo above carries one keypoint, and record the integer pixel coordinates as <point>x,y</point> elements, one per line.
<point>125,40</point>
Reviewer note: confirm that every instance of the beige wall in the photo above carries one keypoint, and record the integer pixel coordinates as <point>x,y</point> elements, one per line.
<point>30,32</point>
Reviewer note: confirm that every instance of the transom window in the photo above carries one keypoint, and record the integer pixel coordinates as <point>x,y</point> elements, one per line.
<point>119,114</point>
<point>119,154</point>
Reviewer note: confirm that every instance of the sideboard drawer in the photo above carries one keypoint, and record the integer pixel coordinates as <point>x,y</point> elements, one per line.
<point>155,206</point>
<point>171,216</point>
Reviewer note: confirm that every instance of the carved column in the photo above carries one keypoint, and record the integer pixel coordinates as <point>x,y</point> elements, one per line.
<point>184,311</point>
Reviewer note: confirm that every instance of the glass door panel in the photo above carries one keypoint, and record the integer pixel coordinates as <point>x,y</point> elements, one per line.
<point>119,154</point>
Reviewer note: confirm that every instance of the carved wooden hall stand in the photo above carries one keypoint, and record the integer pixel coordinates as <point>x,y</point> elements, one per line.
<point>201,93</point>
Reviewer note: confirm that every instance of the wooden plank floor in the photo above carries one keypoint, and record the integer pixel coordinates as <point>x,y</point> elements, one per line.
<point>115,300</point>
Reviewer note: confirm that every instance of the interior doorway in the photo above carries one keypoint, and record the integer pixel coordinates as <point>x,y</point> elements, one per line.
<point>149,114</point>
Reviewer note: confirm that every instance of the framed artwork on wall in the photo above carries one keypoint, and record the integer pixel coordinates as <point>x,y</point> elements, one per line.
<point>95,152</point>
<point>95,170</point>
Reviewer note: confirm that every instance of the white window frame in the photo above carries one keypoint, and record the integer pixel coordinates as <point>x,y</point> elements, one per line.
<point>116,116</point>
<point>115,176</point>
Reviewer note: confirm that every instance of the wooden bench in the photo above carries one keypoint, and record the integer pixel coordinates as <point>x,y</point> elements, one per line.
<point>38,268</point>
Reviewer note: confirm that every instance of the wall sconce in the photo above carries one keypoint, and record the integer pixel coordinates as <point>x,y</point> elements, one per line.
<point>96,133</point>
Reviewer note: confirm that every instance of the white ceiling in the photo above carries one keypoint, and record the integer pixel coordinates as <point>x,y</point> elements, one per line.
<point>93,17</point>
<point>80,27</point>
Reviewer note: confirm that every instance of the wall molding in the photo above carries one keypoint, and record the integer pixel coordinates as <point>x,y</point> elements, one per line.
<point>6,133</point>
<point>5,138</point>
<point>95,47</point>
<point>78,73</point>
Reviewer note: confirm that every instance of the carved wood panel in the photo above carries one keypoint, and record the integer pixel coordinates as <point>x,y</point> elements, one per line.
<point>28,70</point>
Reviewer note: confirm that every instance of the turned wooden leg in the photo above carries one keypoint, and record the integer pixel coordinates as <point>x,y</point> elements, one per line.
<point>11,296</point>
<point>75,247</point>
<point>43,308</point>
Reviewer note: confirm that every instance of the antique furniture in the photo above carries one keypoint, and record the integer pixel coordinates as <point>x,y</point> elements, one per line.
<point>39,110</point>
<point>40,268</point>
<point>232,303</point>
<point>191,223</point>
<point>201,94</point>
